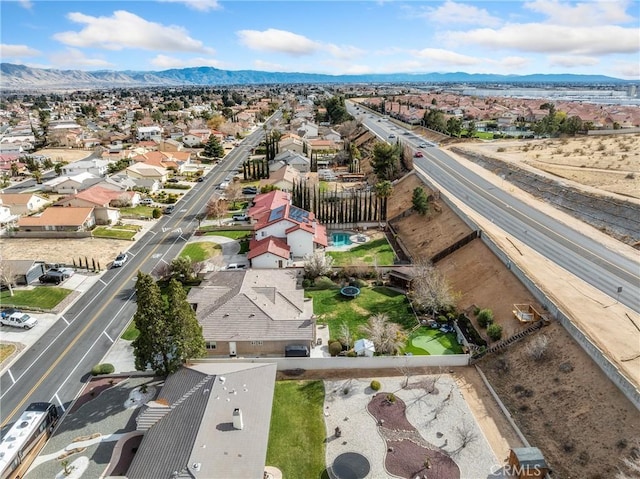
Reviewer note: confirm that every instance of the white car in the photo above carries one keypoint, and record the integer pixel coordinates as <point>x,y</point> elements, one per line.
<point>120,260</point>
<point>236,266</point>
<point>19,320</point>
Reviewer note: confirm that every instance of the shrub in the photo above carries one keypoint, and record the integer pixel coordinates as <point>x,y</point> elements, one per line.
<point>306,283</point>
<point>335,348</point>
<point>485,317</point>
<point>156,213</point>
<point>494,331</point>
<point>391,397</point>
<point>322,282</point>
<point>537,348</point>
<point>476,311</point>
<point>375,385</point>
<point>351,354</point>
<point>104,368</point>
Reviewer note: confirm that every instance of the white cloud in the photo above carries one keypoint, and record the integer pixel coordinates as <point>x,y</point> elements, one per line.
<point>127,30</point>
<point>629,70</point>
<point>343,52</point>
<point>542,38</point>
<point>278,41</point>
<point>200,5</point>
<point>453,13</point>
<point>17,51</point>
<point>26,4</point>
<point>74,58</point>
<point>166,62</point>
<point>446,57</point>
<point>572,61</point>
<point>599,12</point>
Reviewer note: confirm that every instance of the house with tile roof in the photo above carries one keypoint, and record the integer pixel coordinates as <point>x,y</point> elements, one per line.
<point>23,203</point>
<point>283,178</point>
<point>282,232</point>
<point>248,313</point>
<point>71,184</point>
<point>143,171</point>
<point>170,160</point>
<point>97,167</point>
<point>211,420</point>
<point>59,219</point>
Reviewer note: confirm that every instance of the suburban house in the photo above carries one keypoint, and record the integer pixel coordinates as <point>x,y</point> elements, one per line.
<point>307,130</point>
<point>23,203</point>
<point>196,137</point>
<point>218,418</point>
<point>6,217</point>
<point>269,253</point>
<point>284,178</point>
<point>149,133</point>
<point>24,271</point>
<point>295,160</point>
<point>59,219</point>
<point>249,313</point>
<point>94,166</point>
<point>69,185</point>
<point>150,173</point>
<point>170,160</point>
<point>106,202</point>
<point>291,142</point>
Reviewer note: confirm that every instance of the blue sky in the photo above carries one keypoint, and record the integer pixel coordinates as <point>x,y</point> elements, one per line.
<point>332,37</point>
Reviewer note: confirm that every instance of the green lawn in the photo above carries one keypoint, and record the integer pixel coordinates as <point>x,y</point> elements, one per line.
<point>201,251</point>
<point>40,297</point>
<point>233,234</point>
<point>377,251</point>
<point>333,309</point>
<point>431,341</point>
<point>297,433</point>
<point>131,332</point>
<point>110,232</point>
<point>140,210</point>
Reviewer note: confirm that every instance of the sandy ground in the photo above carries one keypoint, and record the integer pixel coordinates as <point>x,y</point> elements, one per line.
<point>607,163</point>
<point>64,154</point>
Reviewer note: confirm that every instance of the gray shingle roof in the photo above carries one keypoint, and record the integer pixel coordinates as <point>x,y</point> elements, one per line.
<point>252,305</point>
<point>196,438</point>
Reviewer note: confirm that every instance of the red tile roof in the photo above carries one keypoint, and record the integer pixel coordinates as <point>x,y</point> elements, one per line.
<point>272,245</point>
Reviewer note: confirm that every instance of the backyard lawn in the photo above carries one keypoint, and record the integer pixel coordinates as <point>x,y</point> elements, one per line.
<point>333,309</point>
<point>431,341</point>
<point>201,251</point>
<point>297,433</point>
<point>376,252</point>
<point>40,297</point>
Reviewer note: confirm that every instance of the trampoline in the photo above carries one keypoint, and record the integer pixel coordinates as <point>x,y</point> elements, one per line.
<point>350,465</point>
<point>350,291</point>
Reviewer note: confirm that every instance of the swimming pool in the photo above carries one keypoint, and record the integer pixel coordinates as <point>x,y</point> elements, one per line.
<point>340,239</point>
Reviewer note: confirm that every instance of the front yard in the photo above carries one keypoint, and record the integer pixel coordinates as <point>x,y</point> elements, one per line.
<point>40,297</point>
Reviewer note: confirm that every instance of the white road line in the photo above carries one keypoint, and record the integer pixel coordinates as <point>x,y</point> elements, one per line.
<point>108,337</point>
<point>126,303</point>
<point>100,280</point>
<point>63,318</point>
<point>59,402</point>
<point>11,376</point>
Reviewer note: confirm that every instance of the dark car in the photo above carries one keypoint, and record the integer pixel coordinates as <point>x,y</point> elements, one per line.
<point>54,277</point>
<point>173,180</point>
<point>169,209</point>
<point>249,190</point>
<point>200,179</point>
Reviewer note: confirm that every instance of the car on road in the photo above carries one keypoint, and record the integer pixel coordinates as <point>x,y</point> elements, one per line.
<point>391,136</point>
<point>169,209</point>
<point>19,320</point>
<point>200,179</point>
<point>418,154</point>
<point>53,277</point>
<point>422,145</point>
<point>120,260</point>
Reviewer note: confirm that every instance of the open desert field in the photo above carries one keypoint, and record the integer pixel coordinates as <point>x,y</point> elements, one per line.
<point>610,163</point>
<point>67,155</point>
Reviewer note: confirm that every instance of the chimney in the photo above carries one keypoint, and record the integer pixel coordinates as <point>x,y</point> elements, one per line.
<point>237,419</point>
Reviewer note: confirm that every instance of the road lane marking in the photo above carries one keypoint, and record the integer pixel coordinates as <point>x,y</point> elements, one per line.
<point>108,337</point>
<point>11,376</point>
<point>60,402</point>
<point>66,322</point>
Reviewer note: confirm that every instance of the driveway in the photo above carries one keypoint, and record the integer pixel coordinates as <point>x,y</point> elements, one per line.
<point>230,251</point>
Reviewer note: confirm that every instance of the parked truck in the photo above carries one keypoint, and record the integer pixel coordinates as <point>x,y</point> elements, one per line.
<point>18,320</point>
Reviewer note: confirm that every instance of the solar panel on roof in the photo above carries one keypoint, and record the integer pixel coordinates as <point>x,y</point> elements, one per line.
<point>277,213</point>
<point>299,215</point>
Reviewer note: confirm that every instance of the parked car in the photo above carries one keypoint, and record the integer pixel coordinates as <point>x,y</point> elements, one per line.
<point>173,180</point>
<point>66,272</point>
<point>240,217</point>
<point>19,320</point>
<point>250,190</point>
<point>236,266</point>
<point>54,277</point>
<point>120,260</point>
<point>146,201</point>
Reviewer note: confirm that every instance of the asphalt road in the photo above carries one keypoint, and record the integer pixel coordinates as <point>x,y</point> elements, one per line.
<point>56,366</point>
<point>610,272</point>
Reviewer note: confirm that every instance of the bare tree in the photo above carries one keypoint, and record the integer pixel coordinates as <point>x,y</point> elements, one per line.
<point>537,348</point>
<point>466,434</point>
<point>8,275</point>
<point>233,192</point>
<point>217,207</point>
<point>386,336</point>
<point>317,264</point>
<point>430,289</point>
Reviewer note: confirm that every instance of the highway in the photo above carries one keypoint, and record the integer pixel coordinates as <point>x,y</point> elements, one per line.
<point>56,367</point>
<point>610,272</point>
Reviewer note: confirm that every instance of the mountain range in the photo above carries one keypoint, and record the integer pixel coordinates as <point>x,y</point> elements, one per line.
<point>21,77</point>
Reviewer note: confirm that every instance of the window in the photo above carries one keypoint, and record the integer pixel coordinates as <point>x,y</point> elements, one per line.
<point>211,345</point>
<point>256,343</point>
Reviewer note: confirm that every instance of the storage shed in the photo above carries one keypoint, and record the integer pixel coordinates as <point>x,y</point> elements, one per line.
<point>527,462</point>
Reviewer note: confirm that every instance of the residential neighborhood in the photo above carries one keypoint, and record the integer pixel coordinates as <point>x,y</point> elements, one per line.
<point>274,277</point>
